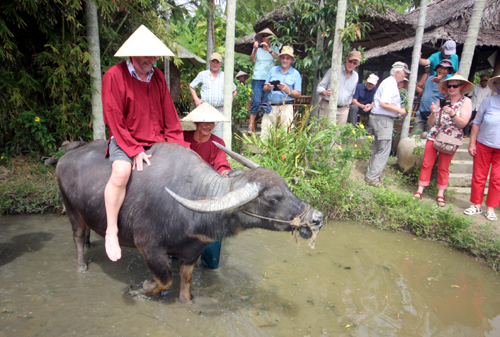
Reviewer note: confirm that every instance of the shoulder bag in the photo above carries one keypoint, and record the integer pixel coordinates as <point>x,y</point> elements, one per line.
<point>444,143</point>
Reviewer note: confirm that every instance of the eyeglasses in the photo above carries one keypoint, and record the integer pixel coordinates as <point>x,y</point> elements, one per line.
<point>454,86</point>
<point>355,62</point>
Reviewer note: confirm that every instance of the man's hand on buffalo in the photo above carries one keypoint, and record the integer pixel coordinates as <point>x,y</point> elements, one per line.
<point>139,158</point>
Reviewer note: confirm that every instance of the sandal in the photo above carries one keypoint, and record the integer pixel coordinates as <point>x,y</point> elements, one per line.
<point>441,201</point>
<point>417,195</point>
<point>473,210</point>
<point>491,216</point>
<point>375,183</point>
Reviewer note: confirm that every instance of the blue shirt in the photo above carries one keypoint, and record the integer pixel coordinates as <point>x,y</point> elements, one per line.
<point>431,94</point>
<point>264,61</point>
<point>488,116</point>
<point>291,78</point>
<point>438,57</point>
<point>363,95</point>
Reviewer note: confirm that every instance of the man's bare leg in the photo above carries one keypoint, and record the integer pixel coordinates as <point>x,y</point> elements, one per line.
<point>114,194</point>
<point>251,124</point>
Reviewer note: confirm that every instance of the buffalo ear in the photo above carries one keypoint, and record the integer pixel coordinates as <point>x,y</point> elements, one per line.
<point>235,173</point>
<point>238,157</point>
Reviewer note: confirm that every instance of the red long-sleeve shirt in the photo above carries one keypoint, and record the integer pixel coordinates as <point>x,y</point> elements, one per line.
<point>137,113</point>
<point>209,152</point>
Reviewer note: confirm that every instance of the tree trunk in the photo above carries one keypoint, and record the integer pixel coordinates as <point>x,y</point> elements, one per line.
<point>470,41</point>
<point>210,31</point>
<point>417,47</point>
<point>336,60</point>
<point>320,39</point>
<point>99,130</point>
<point>229,70</point>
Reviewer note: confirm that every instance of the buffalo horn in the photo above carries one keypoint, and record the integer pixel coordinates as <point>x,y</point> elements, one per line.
<point>238,157</point>
<point>227,202</point>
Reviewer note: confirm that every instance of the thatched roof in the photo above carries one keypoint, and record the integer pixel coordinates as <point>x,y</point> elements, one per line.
<point>445,20</point>
<point>393,33</point>
<point>387,28</point>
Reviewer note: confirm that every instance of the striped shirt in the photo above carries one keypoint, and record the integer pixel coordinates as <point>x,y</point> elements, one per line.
<point>212,91</point>
<point>134,74</point>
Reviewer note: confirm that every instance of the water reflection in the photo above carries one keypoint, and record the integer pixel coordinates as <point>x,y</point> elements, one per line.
<point>358,282</point>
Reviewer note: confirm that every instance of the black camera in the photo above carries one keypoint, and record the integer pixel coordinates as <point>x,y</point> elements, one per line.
<point>261,45</point>
<point>275,83</point>
<point>444,102</point>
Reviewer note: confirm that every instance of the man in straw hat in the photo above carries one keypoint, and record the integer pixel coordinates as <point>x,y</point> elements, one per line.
<point>347,86</point>
<point>204,117</point>
<point>212,88</point>
<point>242,77</point>
<point>138,110</point>
<point>281,96</point>
<point>263,54</point>
<point>362,101</point>
<point>387,106</point>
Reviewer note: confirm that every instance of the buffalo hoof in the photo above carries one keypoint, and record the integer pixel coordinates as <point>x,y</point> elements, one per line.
<point>81,268</point>
<point>186,300</point>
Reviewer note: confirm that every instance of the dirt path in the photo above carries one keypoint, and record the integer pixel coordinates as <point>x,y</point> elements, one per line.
<point>459,202</point>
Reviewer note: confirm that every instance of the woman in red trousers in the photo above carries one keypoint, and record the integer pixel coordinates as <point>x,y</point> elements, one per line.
<point>455,114</point>
<point>484,147</point>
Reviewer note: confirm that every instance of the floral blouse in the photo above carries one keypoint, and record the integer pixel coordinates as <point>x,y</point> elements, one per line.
<point>448,126</point>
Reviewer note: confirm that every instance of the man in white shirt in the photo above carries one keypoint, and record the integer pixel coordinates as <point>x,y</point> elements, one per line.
<point>387,107</point>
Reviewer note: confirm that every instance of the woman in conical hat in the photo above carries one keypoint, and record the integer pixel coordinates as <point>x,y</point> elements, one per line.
<point>204,117</point>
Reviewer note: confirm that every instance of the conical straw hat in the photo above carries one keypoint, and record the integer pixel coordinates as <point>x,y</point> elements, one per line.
<point>494,81</point>
<point>241,73</point>
<point>457,77</point>
<point>205,113</point>
<point>143,43</point>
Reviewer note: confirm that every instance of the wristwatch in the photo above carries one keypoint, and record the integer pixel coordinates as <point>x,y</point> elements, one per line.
<point>290,92</point>
<point>453,116</point>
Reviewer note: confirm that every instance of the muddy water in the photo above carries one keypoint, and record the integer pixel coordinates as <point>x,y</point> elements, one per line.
<point>357,282</point>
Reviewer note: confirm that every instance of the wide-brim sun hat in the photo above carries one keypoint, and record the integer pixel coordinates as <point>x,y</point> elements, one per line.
<point>143,43</point>
<point>287,50</point>
<point>241,73</point>
<point>494,84</point>
<point>264,31</point>
<point>442,87</point>
<point>205,113</point>
<point>446,63</point>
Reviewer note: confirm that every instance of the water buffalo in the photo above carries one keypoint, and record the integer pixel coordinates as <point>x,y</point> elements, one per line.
<point>177,206</point>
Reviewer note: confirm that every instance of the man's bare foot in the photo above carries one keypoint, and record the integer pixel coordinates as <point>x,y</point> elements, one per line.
<point>113,247</point>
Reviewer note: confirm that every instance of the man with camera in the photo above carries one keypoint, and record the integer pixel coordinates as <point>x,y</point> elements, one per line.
<point>431,94</point>
<point>347,86</point>
<point>263,55</point>
<point>283,85</point>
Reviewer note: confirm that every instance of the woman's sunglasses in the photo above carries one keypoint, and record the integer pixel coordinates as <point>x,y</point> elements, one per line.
<point>454,86</point>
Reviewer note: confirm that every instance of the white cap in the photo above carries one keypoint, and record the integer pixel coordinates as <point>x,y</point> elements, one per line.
<point>373,79</point>
<point>143,43</point>
<point>450,47</point>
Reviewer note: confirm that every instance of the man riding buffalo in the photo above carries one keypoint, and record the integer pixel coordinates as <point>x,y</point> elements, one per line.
<point>139,111</point>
